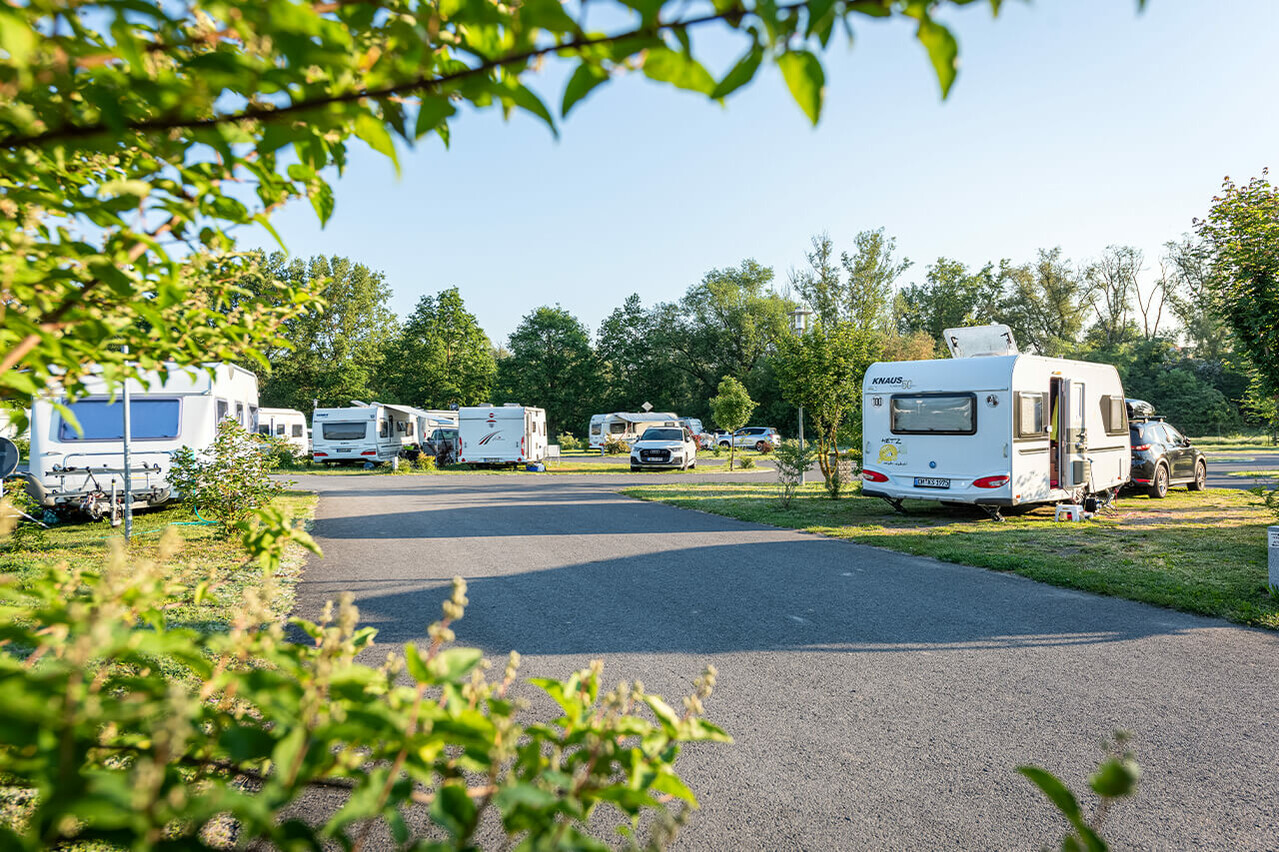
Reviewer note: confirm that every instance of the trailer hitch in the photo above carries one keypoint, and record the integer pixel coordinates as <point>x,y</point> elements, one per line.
<point>993,511</point>
<point>896,503</point>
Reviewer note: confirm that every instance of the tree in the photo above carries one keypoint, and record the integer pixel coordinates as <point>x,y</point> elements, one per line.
<point>636,369</point>
<point>951,296</point>
<point>1151,303</point>
<point>551,366</point>
<point>864,296</point>
<point>441,356</point>
<point>822,371</point>
<point>731,408</point>
<point>1045,304</point>
<point>1242,230</point>
<point>1112,284</point>
<point>134,136</point>
<point>332,355</point>
<point>1191,298</point>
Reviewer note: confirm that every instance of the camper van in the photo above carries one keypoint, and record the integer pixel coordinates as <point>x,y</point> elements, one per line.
<point>286,423</point>
<point>626,426</point>
<point>364,433</point>
<point>501,435</point>
<point>993,428</point>
<point>74,468</point>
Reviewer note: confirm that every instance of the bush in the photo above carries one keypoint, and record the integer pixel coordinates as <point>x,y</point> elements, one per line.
<point>614,446</point>
<point>281,454</point>
<point>253,723</point>
<point>746,463</point>
<point>792,462</point>
<point>231,479</point>
<point>568,443</point>
<point>424,463</point>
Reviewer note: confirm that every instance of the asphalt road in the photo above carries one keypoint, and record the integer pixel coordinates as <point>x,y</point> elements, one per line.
<point>1224,463</point>
<point>878,700</point>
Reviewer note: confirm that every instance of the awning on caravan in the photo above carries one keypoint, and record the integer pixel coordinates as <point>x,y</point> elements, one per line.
<point>646,418</point>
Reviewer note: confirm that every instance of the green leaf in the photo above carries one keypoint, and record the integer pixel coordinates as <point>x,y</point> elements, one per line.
<point>1056,791</point>
<point>453,810</point>
<point>373,131</point>
<point>415,664</point>
<point>585,78</point>
<point>806,81</point>
<point>943,51</point>
<point>526,100</point>
<point>431,113</point>
<point>454,664</point>
<point>1115,778</point>
<point>741,74</point>
<point>681,71</point>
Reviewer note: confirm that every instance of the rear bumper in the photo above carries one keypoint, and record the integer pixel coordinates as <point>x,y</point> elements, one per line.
<point>961,490</point>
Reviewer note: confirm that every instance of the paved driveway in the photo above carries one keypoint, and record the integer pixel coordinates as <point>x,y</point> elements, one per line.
<point>878,700</point>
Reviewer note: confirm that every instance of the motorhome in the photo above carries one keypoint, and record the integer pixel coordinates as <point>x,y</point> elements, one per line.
<point>286,423</point>
<point>363,433</point>
<point>501,434</point>
<point>79,465</point>
<point>992,427</point>
<point>626,426</point>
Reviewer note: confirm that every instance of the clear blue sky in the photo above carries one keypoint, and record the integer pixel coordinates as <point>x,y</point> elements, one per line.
<point>1078,123</point>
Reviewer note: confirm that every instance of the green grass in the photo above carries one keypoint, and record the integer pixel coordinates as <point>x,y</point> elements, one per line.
<point>84,545</point>
<point>1198,552</point>
<point>1256,474</point>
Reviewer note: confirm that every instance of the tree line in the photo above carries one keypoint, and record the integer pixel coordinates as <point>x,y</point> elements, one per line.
<point>864,302</point>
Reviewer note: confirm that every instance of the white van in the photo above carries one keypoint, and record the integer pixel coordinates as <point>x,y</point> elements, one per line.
<point>501,434</point>
<point>286,423</point>
<point>993,428</point>
<point>626,426</point>
<point>361,434</point>
<point>78,469</point>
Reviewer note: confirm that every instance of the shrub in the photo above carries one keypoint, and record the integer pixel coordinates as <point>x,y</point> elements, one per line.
<point>425,463</point>
<point>615,446</point>
<point>253,723</point>
<point>281,454</point>
<point>231,479</point>
<point>792,462</point>
<point>746,463</point>
<point>568,443</point>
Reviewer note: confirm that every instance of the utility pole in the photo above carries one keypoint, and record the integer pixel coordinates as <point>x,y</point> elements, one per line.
<point>799,325</point>
<point>128,478</point>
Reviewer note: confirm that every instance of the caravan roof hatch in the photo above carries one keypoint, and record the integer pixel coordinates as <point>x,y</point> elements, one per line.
<point>976,340</point>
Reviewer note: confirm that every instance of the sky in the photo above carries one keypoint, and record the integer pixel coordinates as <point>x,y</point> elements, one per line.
<point>1073,123</point>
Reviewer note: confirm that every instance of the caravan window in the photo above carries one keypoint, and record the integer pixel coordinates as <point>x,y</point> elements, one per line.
<point>264,429</point>
<point>1032,415</point>
<point>253,414</point>
<point>595,428</point>
<point>239,412</point>
<point>343,431</point>
<point>1114,415</point>
<point>279,428</point>
<point>383,429</point>
<point>934,414</point>
<point>101,420</point>
<point>223,408</point>
<point>297,430</point>
<point>617,428</point>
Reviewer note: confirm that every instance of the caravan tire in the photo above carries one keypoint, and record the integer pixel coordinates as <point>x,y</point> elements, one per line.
<point>1159,485</point>
<point>1201,477</point>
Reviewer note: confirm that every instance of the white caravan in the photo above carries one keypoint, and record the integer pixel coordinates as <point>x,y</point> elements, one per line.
<point>626,426</point>
<point>72,468</point>
<point>362,433</point>
<point>993,428</point>
<point>286,423</point>
<point>501,434</point>
<point>412,425</point>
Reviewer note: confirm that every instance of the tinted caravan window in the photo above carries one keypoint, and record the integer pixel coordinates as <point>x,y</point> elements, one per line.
<point>343,431</point>
<point>934,414</point>
<point>101,420</point>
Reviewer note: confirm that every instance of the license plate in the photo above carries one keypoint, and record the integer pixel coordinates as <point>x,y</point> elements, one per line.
<point>931,482</point>
<point>492,461</point>
<point>344,449</point>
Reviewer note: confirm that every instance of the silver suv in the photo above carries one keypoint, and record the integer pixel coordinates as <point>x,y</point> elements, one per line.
<point>761,438</point>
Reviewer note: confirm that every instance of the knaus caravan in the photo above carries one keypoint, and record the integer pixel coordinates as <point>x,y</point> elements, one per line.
<point>992,427</point>
<point>626,426</point>
<point>82,468</point>
<point>501,434</point>
<point>363,433</point>
<point>286,423</point>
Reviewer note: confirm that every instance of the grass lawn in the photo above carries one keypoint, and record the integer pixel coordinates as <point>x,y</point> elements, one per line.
<point>85,545</point>
<point>1202,553</point>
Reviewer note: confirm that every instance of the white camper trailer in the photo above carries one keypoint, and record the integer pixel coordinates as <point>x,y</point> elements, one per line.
<point>286,423</point>
<point>81,468</point>
<point>626,426</point>
<point>412,425</point>
<point>361,434</point>
<point>501,434</point>
<point>993,428</point>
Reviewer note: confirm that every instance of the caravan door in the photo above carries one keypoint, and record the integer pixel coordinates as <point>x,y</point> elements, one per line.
<point>1074,443</point>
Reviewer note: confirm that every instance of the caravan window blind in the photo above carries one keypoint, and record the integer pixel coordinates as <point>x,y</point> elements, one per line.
<point>101,420</point>
<point>934,414</point>
<point>344,431</point>
<point>1032,415</point>
<point>1114,415</point>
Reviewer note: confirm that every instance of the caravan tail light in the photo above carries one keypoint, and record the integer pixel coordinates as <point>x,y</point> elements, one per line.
<point>991,482</point>
<point>320,455</point>
<point>873,476</point>
<point>369,453</point>
<point>1138,448</point>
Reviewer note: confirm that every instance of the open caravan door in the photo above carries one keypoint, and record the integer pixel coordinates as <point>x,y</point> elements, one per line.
<point>1074,445</point>
<point>976,340</point>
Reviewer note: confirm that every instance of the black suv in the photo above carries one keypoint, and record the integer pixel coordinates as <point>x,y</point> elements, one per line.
<point>1162,456</point>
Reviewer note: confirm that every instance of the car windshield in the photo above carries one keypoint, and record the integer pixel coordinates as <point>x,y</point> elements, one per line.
<point>662,435</point>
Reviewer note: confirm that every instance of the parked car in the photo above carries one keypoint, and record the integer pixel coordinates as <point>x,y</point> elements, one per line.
<point>1163,457</point>
<point>664,447</point>
<point>442,444</point>
<point>761,438</point>
<point>708,440</point>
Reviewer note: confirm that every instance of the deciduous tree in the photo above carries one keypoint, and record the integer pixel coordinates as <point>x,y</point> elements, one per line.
<point>731,407</point>
<point>440,357</point>
<point>551,366</point>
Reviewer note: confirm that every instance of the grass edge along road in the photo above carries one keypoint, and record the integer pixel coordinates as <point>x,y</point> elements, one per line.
<point>1203,552</point>
<point>220,561</point>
